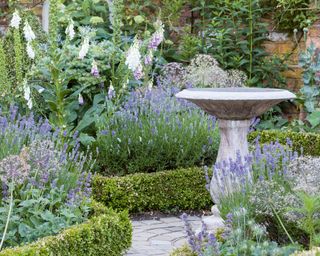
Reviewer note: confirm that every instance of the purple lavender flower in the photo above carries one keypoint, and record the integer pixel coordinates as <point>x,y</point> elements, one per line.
<point>94,69</point>
<point>111,92</point>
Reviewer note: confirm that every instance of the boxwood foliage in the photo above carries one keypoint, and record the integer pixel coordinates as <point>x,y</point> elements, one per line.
<point>107,232</point>
<point>310,142</point>
<point>169,191</point>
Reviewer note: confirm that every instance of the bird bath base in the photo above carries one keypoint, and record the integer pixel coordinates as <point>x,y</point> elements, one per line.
<point>233,139</point>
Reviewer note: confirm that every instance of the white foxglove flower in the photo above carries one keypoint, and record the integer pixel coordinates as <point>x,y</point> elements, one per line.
<point>15,21</point>
<point>40,90</point>
<point>133,60</point>
<point>150,84</point>
<point>29,104</point>
<point>27,94</point>
<point>70,30</point>
<point>80,99</point>
<point>28,33</point>
<point>111,92</point>
<point>30,51</point>
<point>84,48</point>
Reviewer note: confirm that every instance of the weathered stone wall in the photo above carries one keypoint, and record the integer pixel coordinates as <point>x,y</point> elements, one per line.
<point>287,47</point>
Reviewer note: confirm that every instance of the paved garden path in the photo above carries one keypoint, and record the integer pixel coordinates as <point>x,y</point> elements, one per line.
<point>159,237</point>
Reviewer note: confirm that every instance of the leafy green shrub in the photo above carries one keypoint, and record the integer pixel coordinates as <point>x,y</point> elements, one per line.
<point>310,142</point>
<point>290,14</point>
<point>234,37</point>
<point>106,233</point>
<point>153,131</point>
<point>182,189</point>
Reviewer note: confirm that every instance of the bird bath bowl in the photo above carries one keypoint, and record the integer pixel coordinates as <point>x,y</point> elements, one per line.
<point>234,108</point>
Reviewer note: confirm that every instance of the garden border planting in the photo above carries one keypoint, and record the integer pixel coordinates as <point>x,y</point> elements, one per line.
<point>182,189</point>
<point>107,232</point>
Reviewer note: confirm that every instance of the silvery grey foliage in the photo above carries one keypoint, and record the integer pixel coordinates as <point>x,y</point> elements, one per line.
<point>269,195</point>
<point>304,173</point>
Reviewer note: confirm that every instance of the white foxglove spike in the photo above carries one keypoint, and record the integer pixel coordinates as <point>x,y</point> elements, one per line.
<point>70,30</point>
<point>30,51</point>
<point>133,60</point>
<point>28,33</point>
<point>84,48</point>
<point>15,21</point>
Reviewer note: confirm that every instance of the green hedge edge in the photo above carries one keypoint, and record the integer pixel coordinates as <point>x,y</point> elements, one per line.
<point>168,191</point>
<point>107,232</point>
<point>310,142</point>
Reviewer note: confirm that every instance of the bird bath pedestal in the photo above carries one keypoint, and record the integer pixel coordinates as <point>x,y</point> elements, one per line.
<point>234,108</point>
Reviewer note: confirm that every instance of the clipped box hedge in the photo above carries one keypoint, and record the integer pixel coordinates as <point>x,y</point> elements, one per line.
<point>107,232</point>
<point>176,190</point>
<point>310,142</point>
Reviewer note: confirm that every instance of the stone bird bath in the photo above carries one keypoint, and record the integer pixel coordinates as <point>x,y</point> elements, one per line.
<point>234,108</point>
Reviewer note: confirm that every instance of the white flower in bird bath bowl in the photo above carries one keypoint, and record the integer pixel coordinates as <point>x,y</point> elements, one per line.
<point>234,108</point>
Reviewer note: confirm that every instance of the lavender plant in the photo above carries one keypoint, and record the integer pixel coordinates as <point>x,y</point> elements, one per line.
<point>45,180</point>
<point>154,131</point>
<point>242,236</point>
<point>232,180</point>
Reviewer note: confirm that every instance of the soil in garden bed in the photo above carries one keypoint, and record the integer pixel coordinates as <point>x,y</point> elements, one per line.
<point>156,215</point>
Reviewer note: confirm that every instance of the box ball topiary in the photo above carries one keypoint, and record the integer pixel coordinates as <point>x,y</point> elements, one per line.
<point>107,232</point>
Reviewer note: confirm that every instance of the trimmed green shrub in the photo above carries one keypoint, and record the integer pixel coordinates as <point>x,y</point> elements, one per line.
<point>182,189</point>
<point>310,142</point>
<point>106,233</point>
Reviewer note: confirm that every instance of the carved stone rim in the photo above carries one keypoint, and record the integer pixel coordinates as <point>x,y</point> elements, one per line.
<point>235,93</point>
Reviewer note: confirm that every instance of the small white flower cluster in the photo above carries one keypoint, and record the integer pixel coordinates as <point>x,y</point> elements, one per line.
<point>133,60</point>
<point>313,252</point>
<point>304,174</point>
<point>29,36</point>
<point>267,195</point>
<point>203,71</point>
<point>236,78</point>
<point>27,94</point>
<point>15,21</point>
<point>84,48</point>
<point>172,74</point>
<point>86,33</point>
<point>70,30</point>
<point>27,32</point>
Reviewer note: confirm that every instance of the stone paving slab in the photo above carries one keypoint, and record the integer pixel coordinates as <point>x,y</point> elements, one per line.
<point>159,237</point>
